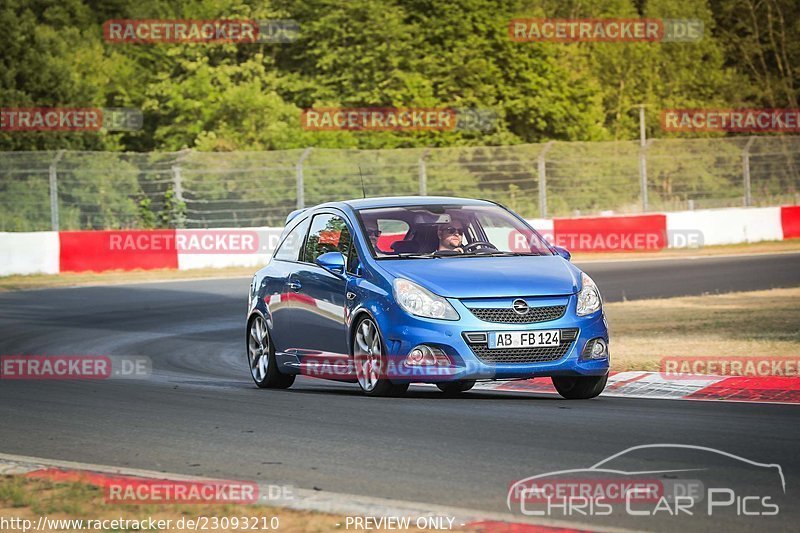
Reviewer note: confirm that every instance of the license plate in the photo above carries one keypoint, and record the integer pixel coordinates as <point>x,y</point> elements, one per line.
<point>524,339</point>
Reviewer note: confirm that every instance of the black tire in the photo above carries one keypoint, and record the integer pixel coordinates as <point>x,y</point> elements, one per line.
<point>580,387</point>
<point>456,387</point>
<point>370,366</point>
<point>261,357</point>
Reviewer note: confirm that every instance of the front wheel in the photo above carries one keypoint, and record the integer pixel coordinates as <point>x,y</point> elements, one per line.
<point>370,361</point>
<point>261,356</point>
<point>580,387</point>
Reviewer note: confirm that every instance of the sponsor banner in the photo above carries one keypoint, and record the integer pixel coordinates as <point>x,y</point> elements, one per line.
<point>621,30</point>
<point>691,367</point>
<point>219,31</point>
<point>731,120</point>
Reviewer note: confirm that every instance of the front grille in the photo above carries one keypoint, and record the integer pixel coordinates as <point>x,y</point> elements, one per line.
<point>507,315</point>
<point>541,354</point>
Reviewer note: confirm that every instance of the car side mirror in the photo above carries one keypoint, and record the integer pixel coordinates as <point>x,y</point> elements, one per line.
<point>563,252</point>
<point>332,261</point>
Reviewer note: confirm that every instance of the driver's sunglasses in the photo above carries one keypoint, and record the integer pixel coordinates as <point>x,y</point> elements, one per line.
<point>374,232</point>
<point>450,230</point>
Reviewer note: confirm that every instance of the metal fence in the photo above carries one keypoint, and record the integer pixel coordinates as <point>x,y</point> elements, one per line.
<point>93,190</point>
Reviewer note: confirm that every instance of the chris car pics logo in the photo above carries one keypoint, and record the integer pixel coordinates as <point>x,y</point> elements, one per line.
<point>677,480</point>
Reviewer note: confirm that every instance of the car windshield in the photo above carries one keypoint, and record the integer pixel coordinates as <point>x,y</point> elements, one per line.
<point>432,231</point>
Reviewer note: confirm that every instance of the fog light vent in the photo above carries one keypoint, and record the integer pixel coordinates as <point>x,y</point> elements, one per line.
<point>595,349</point>
<point>424,355</point>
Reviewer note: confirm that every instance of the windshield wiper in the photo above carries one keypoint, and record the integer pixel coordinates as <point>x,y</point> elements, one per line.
<point>498,254</point>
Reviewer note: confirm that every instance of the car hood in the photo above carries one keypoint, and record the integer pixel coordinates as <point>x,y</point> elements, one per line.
<point>486,277</point>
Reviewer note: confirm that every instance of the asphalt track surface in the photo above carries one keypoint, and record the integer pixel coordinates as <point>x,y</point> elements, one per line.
<point>199,413</point>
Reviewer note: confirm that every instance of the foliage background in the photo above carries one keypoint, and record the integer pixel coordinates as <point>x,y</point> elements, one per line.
<point>357,53</point>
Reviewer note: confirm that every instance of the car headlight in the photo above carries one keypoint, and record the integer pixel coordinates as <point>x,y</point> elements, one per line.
<point>589,298</point>
<point>419,301</point>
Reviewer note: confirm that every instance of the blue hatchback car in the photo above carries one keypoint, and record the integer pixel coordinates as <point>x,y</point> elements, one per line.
<point>386,292</point>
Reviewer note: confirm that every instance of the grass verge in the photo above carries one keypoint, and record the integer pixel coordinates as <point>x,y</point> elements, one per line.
<point>30,498</point>
<point>741,324</point>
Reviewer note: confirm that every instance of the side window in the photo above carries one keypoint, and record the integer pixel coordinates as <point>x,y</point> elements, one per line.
<point>328,233</point>
<point>289,249</point>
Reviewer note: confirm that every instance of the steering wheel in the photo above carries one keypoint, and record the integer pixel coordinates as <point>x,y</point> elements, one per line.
<point>478,244</point>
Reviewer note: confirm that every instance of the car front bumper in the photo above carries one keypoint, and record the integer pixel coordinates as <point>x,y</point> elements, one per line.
<point>403,332</point>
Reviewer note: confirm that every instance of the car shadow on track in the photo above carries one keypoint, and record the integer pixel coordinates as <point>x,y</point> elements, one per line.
<point>422,394</point>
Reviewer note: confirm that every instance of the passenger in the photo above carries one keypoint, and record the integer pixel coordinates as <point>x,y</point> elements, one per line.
<point>373,233</point>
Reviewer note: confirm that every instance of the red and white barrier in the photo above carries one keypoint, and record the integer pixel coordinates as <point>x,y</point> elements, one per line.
<point>730,226</point>
<point>790,222</point>
<point>29,253</point>
<point>98,251</point>
<point>229,247</point>
<point>79,251</point>
<point>654,385</point>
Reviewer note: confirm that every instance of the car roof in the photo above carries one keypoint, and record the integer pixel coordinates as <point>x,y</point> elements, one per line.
<point>404,201</point>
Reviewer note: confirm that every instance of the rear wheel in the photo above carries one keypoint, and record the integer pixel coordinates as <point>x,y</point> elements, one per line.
<point>261,356</point>
<point>580,387</point>
<point>369,358</point>
<point>456,387</point>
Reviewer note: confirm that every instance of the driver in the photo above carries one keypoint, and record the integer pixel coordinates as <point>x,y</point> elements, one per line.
<point>450,237</point>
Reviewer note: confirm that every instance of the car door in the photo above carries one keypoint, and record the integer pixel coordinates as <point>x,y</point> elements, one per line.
<point>319,296</point>
<point>278,295</point>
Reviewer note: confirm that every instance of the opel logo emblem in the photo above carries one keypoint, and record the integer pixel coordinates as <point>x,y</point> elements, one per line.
<point>520,307</point>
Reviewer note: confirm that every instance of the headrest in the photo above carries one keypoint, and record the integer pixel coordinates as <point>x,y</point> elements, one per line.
<point>405,247</point>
